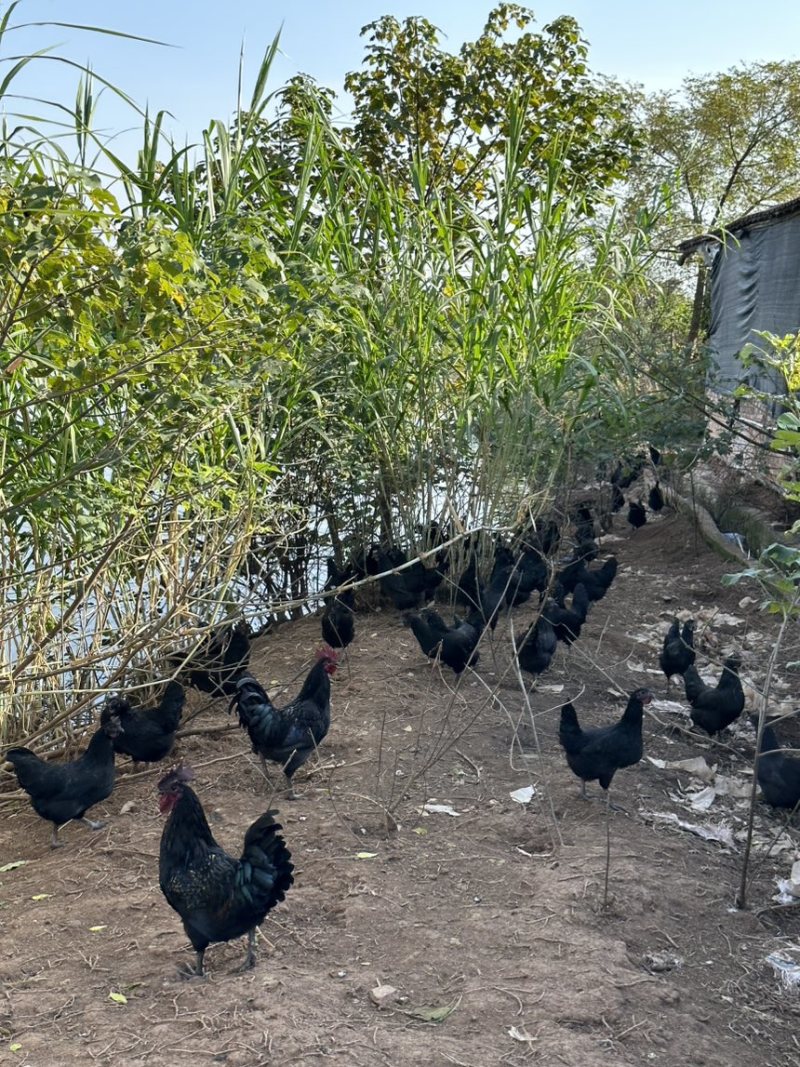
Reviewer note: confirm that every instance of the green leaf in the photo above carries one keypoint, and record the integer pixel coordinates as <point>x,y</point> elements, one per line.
<point>12,866</point>
<point>118,998</point>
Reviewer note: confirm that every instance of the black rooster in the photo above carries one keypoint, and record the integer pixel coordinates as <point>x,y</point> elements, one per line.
<point>455,646</point>
<point>601,752</point>
<point>536,647</point>
<point>715,707</point>
<point>148,734</point>
<point>778,773</point>
<point>217,897</point>
<point>61,792</point>
<point>678,653</point>
<point>290,734</point>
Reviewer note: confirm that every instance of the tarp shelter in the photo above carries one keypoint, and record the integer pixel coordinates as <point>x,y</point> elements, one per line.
<point>755,285</point>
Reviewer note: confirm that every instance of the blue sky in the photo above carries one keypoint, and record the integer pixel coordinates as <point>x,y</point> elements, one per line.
<point>656,45</point>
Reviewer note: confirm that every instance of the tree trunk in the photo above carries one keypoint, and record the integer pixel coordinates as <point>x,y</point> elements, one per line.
<point>698,305</point>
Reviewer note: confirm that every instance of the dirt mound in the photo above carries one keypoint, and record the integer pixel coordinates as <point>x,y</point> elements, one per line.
<point>487,922</point>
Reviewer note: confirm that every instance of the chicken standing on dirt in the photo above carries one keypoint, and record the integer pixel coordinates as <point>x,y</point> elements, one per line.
<point>678,654</point>
<point>290,734</point>
<point>715,707</point>
<point>454,645</point>
<point>338,621</point>
<point>568,622</point>
<point>778,773</point>
<point>536,647</point>
<point>214,667</point>
<point>148,734</point>
<point>637,516</point>
<point>599,753</point>
<point>61,792</point>
<point>217,897</point>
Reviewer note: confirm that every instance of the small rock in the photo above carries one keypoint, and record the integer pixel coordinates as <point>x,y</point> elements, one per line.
<point>382,994</point>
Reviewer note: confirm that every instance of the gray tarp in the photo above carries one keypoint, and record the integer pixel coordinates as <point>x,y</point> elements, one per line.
<point>755,285</point>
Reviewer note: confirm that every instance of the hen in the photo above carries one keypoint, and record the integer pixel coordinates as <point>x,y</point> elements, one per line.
<point>778,773</point>
<point>567,622</point>
<point>338,621</point>
<point>655,498</point>
<point>290,734</point>
<point>454,645</point>
<point>678,654</point>
<point>217,897</point>
<point>599,753</point>
<point>213,668</point>
<point>148,734</point>
<point>596,582</point>
<point>637,516</point>
<point>407,587</point>
<point>536,647</point>
<point>715,707</point>
<point>60,792</point>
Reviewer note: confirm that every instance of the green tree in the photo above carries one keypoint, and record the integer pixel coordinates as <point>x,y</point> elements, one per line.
<point>722,146</point>
<point>414,100</point>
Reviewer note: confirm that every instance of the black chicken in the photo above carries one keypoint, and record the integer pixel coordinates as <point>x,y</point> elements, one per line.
<point>455,646</point>
<point>215,665</point>
<point>536,647</point>
<point>60,792</point>
<point>338,621</point>
<point>567,622</point>
<point>525,575</point>
<point>584,523</point>
<point>715,707</point>
<point>655,498</point>
<point>290,734</point>
<point>637,516</point>
<point>601,752</point>
<point>217,897</point>
<point>678,654</point>
<point>617,499</point>
<point>148,734</point>
<point>778,773</point>
<point>596,582</point>
<point>405,588</point>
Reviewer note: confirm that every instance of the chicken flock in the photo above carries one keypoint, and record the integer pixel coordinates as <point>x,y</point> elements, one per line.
<point>219,897</point>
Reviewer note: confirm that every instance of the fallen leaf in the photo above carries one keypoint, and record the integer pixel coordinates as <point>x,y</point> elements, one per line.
<point>40,896</point>
<point>16,1047</point>
<point>118,998</point>
<point>419,830</point>
<point>366,855</point>
<point>12,866</point>
<point>96,929</point>
<point>434,1014</point>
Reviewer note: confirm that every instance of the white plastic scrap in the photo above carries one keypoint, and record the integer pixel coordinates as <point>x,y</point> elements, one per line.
<point>430,807</point>
<point>721,833</point>
<point>672,706</point>
<point>524,795</point>
<point>786,968</point>
<point>696,766</point>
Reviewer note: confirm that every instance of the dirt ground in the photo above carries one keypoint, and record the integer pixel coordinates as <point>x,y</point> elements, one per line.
<point>488,924</point>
